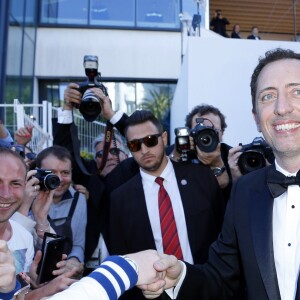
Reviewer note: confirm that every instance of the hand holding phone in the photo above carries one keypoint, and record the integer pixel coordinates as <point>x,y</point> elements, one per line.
<point>52,251</point>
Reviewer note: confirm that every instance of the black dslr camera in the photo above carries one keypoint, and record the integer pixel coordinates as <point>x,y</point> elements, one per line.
<point>182,142</point>
<point>254,155</point>
<point>205,137</point>
<point>48,180</point>
<point>90,106</point>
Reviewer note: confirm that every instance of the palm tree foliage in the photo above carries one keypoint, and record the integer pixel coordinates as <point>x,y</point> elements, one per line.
<point>158,104</point>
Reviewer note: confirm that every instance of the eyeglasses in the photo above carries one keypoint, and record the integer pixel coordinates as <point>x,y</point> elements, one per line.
<point>112,151</point>
<point>149,141</point>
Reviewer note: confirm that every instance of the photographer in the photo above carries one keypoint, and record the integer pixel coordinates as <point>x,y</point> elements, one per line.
<point>218,22</point>
<point>219,159</point>
<point>90,172</point>
<point>67,213</point>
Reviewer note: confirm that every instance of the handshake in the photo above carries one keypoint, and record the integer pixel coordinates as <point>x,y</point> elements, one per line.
<point>155,273</point>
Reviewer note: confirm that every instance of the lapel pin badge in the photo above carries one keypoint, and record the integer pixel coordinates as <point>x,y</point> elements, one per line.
<point>183,182</point>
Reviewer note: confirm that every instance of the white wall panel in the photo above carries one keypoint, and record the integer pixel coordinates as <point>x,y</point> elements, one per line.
<point>217,71</point>
<point>122,53</point>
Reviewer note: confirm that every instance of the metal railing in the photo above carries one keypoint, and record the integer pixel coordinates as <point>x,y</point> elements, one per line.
<point>40,116</point>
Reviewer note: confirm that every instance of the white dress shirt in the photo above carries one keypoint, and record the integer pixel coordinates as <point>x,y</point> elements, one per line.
<point>286,238</point>
<point>151,189</point>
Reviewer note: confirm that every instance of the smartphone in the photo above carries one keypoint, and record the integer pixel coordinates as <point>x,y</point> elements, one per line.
<point>52,251</point>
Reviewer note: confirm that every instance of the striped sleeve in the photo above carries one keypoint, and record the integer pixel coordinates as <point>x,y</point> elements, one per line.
<point>108,282</point>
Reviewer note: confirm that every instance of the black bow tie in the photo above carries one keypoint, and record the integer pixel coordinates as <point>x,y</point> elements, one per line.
<point>278,183</point>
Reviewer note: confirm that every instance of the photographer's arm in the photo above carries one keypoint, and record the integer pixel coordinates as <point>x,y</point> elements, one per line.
<point>4,134</point>
<point>23,135</point>
<point>214,160</point>
<point>118,118</point>
<point>72,97</point>
<point>233,157</point>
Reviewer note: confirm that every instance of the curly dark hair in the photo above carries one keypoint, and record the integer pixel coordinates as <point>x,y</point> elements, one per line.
<point>270,56</point>
<point>203,110</point>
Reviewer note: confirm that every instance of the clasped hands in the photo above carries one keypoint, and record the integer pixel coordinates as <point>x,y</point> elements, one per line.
<point>157,272</point>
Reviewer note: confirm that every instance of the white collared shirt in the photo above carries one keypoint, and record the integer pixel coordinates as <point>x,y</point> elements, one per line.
<point>286,238</point>
<point>151,195</point>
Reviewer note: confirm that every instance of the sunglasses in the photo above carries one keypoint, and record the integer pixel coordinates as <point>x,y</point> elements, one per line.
<point>149,141</point>
<point>112,151</point>
<point>30,156</point>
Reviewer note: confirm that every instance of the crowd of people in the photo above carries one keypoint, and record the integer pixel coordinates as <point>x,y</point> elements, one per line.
<point>218,24</point>
<point>213,231</point>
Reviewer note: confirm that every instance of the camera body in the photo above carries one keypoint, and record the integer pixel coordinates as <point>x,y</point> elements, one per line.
<point>205,137</point>
<point>48,180</point>
<point>90,105</point>
<point>254,155</point>
<point>182,142</point>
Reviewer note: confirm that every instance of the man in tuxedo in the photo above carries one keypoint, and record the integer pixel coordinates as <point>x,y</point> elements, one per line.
<point>135,213</point>
<point>259,244</point>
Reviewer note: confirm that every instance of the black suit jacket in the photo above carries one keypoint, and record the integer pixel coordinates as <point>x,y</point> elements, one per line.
<point>85,172</point>
<point>130,229</point>
<point>244,250</point>
<point>252,37</point>
<point>234,35</point>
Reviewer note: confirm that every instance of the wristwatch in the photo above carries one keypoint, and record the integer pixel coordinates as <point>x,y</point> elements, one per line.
<point>218,171</point>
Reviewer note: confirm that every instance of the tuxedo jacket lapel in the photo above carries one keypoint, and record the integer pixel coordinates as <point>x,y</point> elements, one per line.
<point>261,215</point>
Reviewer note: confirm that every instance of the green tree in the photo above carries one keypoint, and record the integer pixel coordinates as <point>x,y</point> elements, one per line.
<point>158,104</point>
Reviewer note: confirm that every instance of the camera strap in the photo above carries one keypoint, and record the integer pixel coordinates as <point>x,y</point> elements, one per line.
<point>108,135</point>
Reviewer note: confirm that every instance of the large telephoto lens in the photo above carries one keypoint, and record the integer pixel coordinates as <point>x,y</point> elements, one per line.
<point>207,140</point>
<point>90,106</point>
<point>250,161</point>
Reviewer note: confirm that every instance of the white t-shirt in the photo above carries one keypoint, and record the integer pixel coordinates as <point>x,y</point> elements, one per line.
<point>21,246</point>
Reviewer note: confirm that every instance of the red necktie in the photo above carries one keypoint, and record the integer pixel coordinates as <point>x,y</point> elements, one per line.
<point>170,237</point>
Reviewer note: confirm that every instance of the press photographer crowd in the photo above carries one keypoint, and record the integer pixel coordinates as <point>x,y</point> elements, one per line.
<point>198,219</point>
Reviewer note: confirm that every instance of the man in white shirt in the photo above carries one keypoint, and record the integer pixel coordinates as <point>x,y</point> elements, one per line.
<point>259,244</point>
<point>12,186</point>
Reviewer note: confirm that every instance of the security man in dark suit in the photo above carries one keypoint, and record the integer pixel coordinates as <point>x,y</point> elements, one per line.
<point>195,196</point>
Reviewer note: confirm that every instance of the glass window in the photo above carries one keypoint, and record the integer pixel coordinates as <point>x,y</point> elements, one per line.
<point>22,11</point>
<point>125,96</point>
<point>65,12</point>
<point>112,13</point>
<point>158,13</point>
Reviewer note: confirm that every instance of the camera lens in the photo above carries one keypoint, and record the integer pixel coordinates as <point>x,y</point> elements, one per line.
<point>90,106</point>
<point>207,140</point>
<point>51,182</point>
<point>250,161</point>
